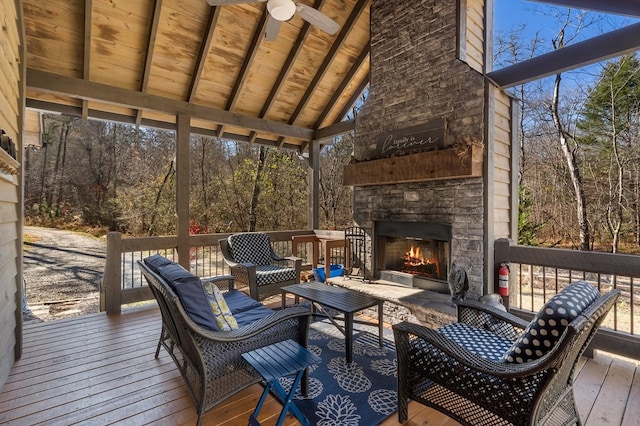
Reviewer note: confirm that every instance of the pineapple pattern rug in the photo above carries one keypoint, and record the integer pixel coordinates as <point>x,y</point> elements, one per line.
<point>361,393</point>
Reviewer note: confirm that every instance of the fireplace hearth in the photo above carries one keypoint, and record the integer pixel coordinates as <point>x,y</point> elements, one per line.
<point>414,253</point>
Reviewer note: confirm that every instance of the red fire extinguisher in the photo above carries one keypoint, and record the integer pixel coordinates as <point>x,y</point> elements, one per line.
<point>503,280</point>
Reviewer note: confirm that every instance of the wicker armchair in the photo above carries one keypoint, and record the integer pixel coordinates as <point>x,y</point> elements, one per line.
<point>210,361</point>
<point>254,264</point>
<point>461,369</point>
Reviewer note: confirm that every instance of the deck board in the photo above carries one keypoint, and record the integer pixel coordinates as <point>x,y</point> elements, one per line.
<point>101,369</point>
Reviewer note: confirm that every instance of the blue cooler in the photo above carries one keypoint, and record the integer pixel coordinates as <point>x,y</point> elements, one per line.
<point>336,270</point>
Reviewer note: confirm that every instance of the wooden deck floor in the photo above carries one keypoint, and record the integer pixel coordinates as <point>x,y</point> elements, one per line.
<point>101,369</point>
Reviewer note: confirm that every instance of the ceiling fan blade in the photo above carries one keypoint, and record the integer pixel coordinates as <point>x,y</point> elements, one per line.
<point>227,2</point>
<point>272,28</point>
<point>317,18</point>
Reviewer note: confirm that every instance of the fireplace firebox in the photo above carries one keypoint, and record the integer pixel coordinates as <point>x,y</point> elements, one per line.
<point>414,253</point>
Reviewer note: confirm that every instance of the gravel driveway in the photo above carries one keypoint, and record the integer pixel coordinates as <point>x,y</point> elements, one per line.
<point>62,271</point>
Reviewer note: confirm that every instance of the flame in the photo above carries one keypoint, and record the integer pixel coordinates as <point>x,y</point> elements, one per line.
<point>414,258</point>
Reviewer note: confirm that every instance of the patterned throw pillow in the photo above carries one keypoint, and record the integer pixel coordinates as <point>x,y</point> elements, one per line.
<point>544,331</point>
<point>221,311</point>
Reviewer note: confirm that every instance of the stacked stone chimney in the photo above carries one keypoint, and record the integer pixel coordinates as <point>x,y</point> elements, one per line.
<point>416,77</point>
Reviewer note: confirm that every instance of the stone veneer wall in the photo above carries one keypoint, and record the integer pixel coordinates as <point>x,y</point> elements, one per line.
<point>415,78</point>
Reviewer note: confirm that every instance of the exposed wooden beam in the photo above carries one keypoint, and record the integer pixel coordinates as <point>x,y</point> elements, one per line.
<point>146,122</point>
<point>596,49</point>
<point>258,35</point>
<point>205,46</point>
<point>364,55</point>
<point>326,63</point>
<point>88,18</point>
<point>286,68</point>
<point>335,129</point>
<point>618,7</point>
<point>81,89</point>
<point>354,98</point>
<point>151,44</point>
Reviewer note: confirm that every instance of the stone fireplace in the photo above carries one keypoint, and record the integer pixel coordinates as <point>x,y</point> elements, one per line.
<point>417,78</point>
<point>416,254</point>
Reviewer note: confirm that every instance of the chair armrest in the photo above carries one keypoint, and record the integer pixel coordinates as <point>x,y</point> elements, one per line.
<point>486,317</point>
<point>223,282</point>
<point>436,348</point>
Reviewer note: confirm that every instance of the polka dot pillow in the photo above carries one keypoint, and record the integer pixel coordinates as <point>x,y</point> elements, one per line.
<point>547,326</point>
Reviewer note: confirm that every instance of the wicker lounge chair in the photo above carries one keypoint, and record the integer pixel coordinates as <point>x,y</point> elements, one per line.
<point>254,264</point>
<point>491,368</point>
<point>210,361</point>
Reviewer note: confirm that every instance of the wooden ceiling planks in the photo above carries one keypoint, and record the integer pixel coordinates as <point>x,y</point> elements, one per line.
<point>187,51</point>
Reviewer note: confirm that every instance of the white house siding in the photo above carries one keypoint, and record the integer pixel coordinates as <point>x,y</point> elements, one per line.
<point>11,107</point>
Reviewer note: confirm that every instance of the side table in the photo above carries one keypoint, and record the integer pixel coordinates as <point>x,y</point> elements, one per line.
<point>275,361</point>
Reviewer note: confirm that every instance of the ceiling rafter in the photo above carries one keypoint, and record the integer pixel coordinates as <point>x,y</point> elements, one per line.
<point>128,119</point>
<point>86,72</point>
<point>354,97</point>
<point>600,48</point>
<point>618,7</point>
<point>151,43</point>
<point>205,46</point>
<point>324,67</point>
<point>83,89</point>
<point>258,35</point>
<point>287,67</point>
<point>364,55</point>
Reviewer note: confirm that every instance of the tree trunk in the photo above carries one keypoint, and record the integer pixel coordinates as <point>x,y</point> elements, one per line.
<point>570,154</point>
<point>255,194</point>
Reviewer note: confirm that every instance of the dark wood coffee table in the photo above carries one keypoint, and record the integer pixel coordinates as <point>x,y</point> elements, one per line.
<point>343,300</point>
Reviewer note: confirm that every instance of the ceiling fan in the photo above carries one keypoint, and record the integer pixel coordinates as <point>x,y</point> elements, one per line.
<point>283,10</point>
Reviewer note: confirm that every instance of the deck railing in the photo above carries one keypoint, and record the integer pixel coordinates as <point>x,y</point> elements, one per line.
<point>123,282</point>
<point>536,274</point>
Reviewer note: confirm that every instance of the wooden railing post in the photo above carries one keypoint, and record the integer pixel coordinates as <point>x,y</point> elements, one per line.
<point>501,249</point>
<point>111,293</point>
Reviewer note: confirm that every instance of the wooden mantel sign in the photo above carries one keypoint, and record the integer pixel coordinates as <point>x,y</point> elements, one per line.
<point>449,163</point>
<point>423,137</point>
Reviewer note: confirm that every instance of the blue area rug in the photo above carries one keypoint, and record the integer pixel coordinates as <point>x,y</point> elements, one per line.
<point>362,393</point>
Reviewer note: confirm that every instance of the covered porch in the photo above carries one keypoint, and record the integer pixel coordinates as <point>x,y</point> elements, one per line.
<point>100,369</point>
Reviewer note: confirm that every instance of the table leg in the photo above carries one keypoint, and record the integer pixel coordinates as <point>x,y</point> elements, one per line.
<point>348,336</point>
<point>284,299</point>
<point>380,322</point>
<point>287,400</point>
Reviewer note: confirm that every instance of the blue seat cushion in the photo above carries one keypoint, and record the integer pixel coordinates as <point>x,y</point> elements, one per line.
<point>250,247</point>
<point>480,342</point>
<point>271,274</point>
<point>252,315</point>
<point>188,288</point>
<point>238,302</point>
<point>545,329</point>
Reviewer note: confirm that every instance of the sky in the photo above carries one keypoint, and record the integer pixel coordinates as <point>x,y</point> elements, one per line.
<point>542,21</point>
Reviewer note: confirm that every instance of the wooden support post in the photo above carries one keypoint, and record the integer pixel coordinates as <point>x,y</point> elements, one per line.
<point>182,187</point>
<point>111,293</point>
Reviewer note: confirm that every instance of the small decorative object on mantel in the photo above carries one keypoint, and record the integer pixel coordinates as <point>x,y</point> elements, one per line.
<point>458,283</point>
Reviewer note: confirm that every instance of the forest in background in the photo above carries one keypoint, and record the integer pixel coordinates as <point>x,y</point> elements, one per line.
<point>101,176</point>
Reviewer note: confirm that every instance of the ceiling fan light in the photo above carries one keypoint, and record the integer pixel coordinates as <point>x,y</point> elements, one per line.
<point>282,10</point>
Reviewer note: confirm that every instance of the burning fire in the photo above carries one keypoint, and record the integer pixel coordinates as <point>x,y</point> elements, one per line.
<point>415,261</point>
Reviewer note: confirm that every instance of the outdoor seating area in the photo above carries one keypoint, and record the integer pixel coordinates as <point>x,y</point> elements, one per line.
<point>486,368</point>
<point>101,369</point>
